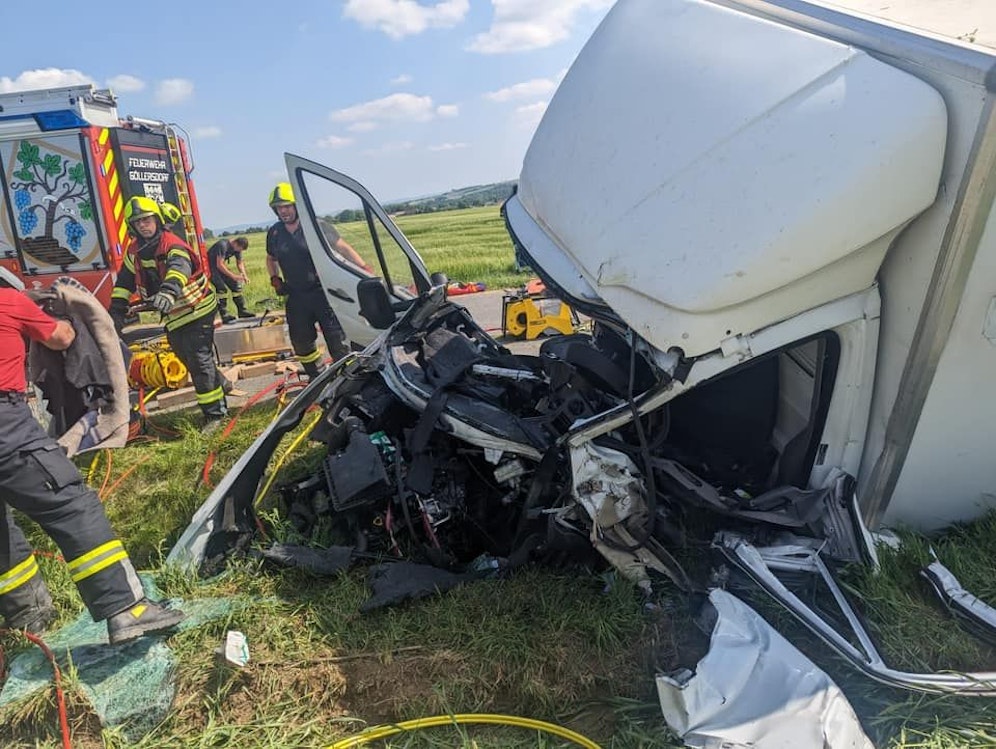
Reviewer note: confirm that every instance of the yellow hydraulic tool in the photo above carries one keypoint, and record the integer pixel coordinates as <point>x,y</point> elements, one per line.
<point>531,312</point>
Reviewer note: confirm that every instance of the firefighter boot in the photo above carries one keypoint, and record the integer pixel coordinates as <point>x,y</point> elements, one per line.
<point>312,368</point>
<point>226,318</point>
<point>240,305</point>
<point>142,618</point>
<point>28,606</point>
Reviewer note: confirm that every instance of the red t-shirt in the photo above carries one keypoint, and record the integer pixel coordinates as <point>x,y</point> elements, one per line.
<point>20,318</point>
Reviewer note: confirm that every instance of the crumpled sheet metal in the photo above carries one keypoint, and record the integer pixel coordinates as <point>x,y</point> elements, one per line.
<point>976,613</point>
<point>754,690</point>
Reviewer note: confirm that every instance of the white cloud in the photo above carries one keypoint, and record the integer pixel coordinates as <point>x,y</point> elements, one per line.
<point>448,147</point>
<point>334,141</point>
<point>521,25</point>
<point>43,78</point>
<point>447,110</point>
<point>208,131</point>
<point>125,84</point>
<point>525,90</point>
<point>529,115</point>
<point>401,18</point>
<point>393,147</point>
<point>407,107</point>
<point>174,91</point>
<point>362,127</point>
<point>401,80</point>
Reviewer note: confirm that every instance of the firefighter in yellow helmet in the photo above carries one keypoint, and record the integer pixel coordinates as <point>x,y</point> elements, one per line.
<point>171,216</point>
<point>307,306</point>
<point>168,274</point>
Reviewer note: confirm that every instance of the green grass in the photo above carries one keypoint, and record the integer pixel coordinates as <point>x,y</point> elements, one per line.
<point>550,644</point>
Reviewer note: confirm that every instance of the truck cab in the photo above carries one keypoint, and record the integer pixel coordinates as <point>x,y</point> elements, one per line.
<point>790,221</point>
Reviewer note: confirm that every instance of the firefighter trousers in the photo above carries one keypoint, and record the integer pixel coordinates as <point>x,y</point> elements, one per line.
<point>193,344</point>
<point>37,479</point>
<point>305,310</point>
<point>224,284</point>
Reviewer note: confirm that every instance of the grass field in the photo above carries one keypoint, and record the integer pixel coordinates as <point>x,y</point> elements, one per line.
<point>468,245</point>
<point>576,647</point>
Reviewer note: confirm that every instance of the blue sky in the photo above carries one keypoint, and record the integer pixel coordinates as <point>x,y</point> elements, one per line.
<point>410,97</point>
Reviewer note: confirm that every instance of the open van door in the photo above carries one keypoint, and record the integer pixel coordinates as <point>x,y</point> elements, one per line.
<point>335,207</point>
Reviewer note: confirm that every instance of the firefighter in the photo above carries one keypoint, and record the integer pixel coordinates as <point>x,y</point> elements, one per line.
<point>38,479</point>
<point>171,217</point>
<point>307,305</point>
<point>225,280</point>
<point>165,272</point>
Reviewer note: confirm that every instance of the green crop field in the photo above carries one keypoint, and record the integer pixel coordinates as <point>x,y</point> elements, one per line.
<point>576,647</point>
<point>469,245</point>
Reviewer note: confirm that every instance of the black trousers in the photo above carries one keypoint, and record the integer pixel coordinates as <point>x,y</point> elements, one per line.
<point>37,478</point>
<point>305,310</point>
<point>193,344</point>
<point>222,285</point>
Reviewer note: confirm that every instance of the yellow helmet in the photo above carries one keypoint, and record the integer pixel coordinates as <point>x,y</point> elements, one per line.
<point>282,194</point>
<point>141,206</point>
<point>170,213</point>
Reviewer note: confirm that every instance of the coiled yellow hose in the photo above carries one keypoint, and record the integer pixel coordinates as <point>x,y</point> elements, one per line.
<point>156,369</point>
<point>382,732</point>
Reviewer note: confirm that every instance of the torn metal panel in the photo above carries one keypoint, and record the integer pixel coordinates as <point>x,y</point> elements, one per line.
<point>754,690</point>
<point>761,564</point>
<point>977,615</point>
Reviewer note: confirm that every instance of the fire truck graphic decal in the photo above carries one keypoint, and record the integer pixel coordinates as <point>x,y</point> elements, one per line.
<point>52,206</point>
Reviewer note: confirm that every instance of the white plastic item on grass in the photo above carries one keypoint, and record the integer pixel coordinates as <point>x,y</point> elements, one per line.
<point>754,689</point>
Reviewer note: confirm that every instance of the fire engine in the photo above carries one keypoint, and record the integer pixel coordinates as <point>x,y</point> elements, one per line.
<point>69,164</point>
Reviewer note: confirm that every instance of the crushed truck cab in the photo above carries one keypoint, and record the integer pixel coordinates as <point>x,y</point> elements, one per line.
<point>777,216</point>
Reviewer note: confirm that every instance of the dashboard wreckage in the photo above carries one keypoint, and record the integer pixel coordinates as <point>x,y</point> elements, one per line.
<point>778,260</point>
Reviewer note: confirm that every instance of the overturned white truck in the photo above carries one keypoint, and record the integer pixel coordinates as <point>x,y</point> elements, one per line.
<point>778,217</point>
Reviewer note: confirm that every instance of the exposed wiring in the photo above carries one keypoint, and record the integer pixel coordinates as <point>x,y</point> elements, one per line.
<point>380,732</point>
<point>60,697</point>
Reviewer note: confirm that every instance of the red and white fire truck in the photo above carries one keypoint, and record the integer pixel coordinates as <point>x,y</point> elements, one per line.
<point>69,163</point>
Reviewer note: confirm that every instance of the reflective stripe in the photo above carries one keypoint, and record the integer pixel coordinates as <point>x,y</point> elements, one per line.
<point>120,293</point>
<point>178,252</point>
<point>18,575</point>
<point>99,565</point>
<point>129,262</point>
<point>210,397</point>
<point>102,138</point>
<point>112,185</point>
<point>94,561</point>
<point>148,263</point>
<point>175,275</point>
<point>308,358</point>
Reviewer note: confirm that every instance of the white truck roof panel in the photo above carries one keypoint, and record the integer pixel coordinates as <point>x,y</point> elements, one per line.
<point>707,173</point>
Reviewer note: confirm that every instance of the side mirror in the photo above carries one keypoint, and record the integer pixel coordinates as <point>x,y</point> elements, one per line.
<point>439,279</point>
<point>375,304</point>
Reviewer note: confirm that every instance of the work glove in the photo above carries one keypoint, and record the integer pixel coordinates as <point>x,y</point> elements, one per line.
<point>278,285</point>
<point>163,302</point>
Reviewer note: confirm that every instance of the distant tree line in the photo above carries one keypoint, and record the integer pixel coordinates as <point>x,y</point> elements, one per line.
<point>466,197</point>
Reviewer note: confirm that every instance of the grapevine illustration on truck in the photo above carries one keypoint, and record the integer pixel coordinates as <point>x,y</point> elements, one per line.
<point>50,188</point>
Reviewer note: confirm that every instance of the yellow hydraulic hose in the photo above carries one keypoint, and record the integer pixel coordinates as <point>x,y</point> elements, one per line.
<point>382,732</point>
<point>280,461</point>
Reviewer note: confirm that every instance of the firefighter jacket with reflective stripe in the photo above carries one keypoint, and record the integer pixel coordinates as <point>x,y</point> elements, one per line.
<point>165,262</point>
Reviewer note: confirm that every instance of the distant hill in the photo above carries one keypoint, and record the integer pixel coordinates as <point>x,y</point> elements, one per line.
<point>464,197</point>
<point>243,228</point>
